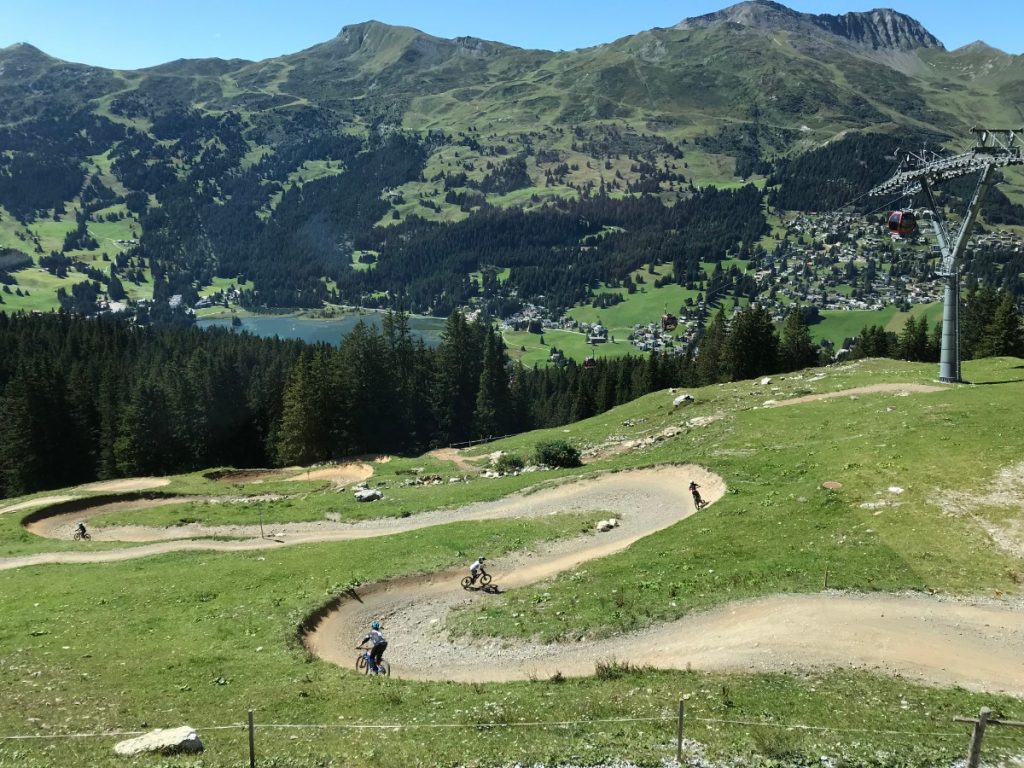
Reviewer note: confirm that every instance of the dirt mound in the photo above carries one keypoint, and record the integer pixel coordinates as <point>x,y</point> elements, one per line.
<point>42,500</point>
<point>341,474</point>
<point>245,475</point>
<point>455,457</point>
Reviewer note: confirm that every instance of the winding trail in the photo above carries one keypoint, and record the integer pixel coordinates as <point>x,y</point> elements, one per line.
<point>975,644</point>
<point>652,492</point>
<point>934,640</point>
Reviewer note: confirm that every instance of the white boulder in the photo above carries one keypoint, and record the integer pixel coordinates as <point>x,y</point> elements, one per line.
<point>165,741</point>
<point>368,494</point>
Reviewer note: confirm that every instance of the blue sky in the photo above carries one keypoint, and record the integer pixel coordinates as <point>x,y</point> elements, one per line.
<point>128,35</point>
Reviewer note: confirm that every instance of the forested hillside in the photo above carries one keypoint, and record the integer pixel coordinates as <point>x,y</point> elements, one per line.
<point>387,167</point>
<point>86,399</point>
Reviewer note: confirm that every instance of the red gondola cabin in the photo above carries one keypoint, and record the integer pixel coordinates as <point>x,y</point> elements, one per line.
<point>902,223</point>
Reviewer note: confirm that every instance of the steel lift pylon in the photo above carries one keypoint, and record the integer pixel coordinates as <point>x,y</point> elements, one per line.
<point>994,148</point>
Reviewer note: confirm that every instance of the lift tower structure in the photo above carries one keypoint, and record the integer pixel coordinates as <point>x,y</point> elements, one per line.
<point>994,148</point>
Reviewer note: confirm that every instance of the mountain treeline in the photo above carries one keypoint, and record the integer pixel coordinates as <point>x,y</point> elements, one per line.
<point>93,399</point>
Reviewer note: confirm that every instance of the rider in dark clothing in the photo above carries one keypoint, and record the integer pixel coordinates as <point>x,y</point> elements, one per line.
<point>379,644</point>
<point>698,502</point>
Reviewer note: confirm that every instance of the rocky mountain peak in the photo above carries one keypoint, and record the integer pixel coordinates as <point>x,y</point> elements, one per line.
<point>882,28</point>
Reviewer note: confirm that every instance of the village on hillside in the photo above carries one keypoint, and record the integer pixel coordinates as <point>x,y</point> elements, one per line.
<point>825,261</point>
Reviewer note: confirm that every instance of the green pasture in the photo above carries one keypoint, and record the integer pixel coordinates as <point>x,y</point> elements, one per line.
<point>648,303</point>
<point>10,228</point>
<point>106,232</point>
<point>41,287</point>
<point>572,344</point>
<point>205,636</point>
<point>838,324</point>
<point>51,233</point>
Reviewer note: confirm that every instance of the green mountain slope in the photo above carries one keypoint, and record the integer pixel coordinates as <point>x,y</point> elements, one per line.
<point>285,173</point>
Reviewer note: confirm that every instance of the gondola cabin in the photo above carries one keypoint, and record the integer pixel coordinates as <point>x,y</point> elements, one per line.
<point>589,362</point>
<point>902,223</point>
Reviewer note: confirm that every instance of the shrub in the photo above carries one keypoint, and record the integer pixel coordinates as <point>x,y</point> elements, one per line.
<point>508,463</point>
<point>556,453</point>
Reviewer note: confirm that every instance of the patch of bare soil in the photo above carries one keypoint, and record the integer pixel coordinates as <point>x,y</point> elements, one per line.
<point>126,484</point>
<point>340,474</point>
<point>1005,490</point>
<point>455,456</point>
<point>246,475</point>
<point>42,500</point>
<point>898,389</point>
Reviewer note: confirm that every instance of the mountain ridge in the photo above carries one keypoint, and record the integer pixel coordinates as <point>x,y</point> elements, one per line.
<point>879,28</point>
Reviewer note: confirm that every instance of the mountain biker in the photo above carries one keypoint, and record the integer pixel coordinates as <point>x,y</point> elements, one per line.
<point>476,568</point>
<point>81,530</point>
<point>379,645</point>
<point>698,502</point>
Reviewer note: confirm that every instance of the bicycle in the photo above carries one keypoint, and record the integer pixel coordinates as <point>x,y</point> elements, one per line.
<point>365,665</point>
<point>483,577</point>
<point>79,535</point>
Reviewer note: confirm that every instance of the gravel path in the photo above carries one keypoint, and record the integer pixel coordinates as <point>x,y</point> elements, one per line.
<point>975,644</point>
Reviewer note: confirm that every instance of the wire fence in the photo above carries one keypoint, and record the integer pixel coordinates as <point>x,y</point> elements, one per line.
<point>487,725</point>
<point>649,737</point>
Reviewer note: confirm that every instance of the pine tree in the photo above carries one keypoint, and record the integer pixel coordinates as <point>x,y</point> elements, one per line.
<point>751,347</point>
<point>913,341</point>
<point>144,433</point>
<point>1003,333</point>
<point>304,435</point>
<point>21,470</point>
<point>493,398</point>
<point>711,350</point>
<point>796,350</point>
<point>976,315</point>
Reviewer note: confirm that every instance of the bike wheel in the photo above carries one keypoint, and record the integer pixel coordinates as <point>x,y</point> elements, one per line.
<point>485,579</point>
<point>467,582</point>
<point>361,663</point>
<point>78,536</point>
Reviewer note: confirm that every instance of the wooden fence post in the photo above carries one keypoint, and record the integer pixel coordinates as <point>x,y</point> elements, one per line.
<point>974,753</point>
<point>252,742</point>
<point>679,733</point>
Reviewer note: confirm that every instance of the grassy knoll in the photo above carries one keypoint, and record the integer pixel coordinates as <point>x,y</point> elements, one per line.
<point>201,637</point>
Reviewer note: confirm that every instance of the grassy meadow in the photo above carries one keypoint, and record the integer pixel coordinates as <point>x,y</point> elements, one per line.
<point>201,637</point>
